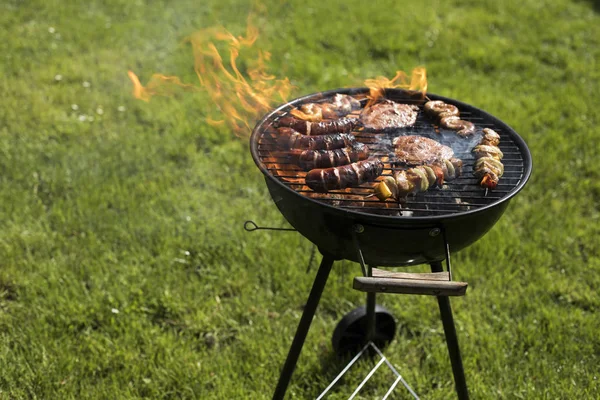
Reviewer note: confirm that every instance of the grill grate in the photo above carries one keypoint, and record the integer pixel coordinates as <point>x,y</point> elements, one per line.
<point>459,195</point>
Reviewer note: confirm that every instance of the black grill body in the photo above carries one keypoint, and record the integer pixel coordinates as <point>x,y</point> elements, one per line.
<point>412,233</point>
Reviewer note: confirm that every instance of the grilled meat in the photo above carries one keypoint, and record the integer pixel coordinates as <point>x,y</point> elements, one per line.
<point>490,138</point>
<point>484,150</point>
<point>448,116</point>
<point>342,105</point>
<point>290,139</point>
<point>417,179</point>
<point>388,114</point>
<point>462,127</point>
<point>311,159</point>
<point>341,125</point>
<point>310,112</point>
<point>439,109</point>
<point>488,168</point>
<point>324,180</point>
<point>418,150</point>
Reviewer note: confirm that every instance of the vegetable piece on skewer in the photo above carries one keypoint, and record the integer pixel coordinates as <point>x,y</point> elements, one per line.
<point>488,168</point>
<point>417,179</point>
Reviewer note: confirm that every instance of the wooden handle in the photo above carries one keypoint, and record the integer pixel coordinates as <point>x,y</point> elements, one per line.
<point>428,276</point>
<point>410,286</point>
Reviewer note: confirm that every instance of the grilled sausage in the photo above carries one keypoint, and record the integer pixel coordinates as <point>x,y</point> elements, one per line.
<point>290,139</point>
<point>342,105</point>
<point>312,112</point>
<point>311,159</point>
<point>438,109</point>
<point>448,117</point>
<point>318,128</point>
<point>462,127</point>
<point>324,180</point>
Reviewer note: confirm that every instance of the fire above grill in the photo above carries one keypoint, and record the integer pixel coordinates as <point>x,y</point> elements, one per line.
<point>393,233</point>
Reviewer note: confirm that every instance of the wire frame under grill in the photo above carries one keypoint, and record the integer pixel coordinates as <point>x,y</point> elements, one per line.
<point>456,196</point>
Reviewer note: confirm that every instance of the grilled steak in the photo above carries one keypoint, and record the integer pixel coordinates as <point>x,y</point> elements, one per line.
<point>388,114</point>
<point>418,150</point>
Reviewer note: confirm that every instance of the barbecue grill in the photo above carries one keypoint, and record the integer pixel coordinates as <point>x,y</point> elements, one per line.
<point>351,224</point>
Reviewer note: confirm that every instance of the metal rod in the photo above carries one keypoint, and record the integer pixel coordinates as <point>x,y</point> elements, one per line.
<point>447,251</point>
<point>371,302</point>
<point>398,379</point>
<point>460,382</point>
<point>395,371</point>
<point>356,229</point>
<point>369,375</point>
<point>313,251</point>
<point>303,326</point>
<point>337,378</point>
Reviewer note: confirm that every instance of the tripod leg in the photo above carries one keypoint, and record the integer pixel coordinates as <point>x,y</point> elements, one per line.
<point>371,302</point>
<point>303,327</point>
<point>460,383</point>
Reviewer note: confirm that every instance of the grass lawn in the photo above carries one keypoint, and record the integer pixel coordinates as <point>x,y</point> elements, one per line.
<point>124,268</point>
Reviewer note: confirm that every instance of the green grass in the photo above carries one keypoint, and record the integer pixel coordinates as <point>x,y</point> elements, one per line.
<point>124,268</point>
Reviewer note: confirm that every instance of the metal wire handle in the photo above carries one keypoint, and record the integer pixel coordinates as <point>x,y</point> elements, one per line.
<point>250,226</point>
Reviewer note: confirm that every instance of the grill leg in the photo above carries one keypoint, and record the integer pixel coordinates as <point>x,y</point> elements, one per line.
<point>303,326</point>
<point>371,301</point>
<point>460,383</point>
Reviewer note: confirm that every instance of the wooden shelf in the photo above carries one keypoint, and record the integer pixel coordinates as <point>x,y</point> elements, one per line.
<point>431,284</point>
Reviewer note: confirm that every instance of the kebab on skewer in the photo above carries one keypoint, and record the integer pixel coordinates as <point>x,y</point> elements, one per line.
<point>488,168</point>
<point>432,163</point>
<point>417,179</point>
<point>448,116</point>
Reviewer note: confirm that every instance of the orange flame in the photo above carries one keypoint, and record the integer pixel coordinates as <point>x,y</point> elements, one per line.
<point>417,82</point>
<point>240,97</point>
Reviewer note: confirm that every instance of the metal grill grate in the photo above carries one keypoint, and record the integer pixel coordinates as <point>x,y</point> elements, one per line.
<point>459,195</point>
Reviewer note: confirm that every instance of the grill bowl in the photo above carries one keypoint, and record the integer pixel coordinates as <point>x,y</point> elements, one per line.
<point>388,240</point>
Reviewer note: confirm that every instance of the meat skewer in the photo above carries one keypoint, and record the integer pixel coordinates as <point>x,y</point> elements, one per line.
<point>342,105</point>
<point>290,139</point>
<point>448,116</point>
<point>324,180</point>
<point>311,159</point>
<point>488,168</point>
<point>417,179</point>
<point>342,125</point>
